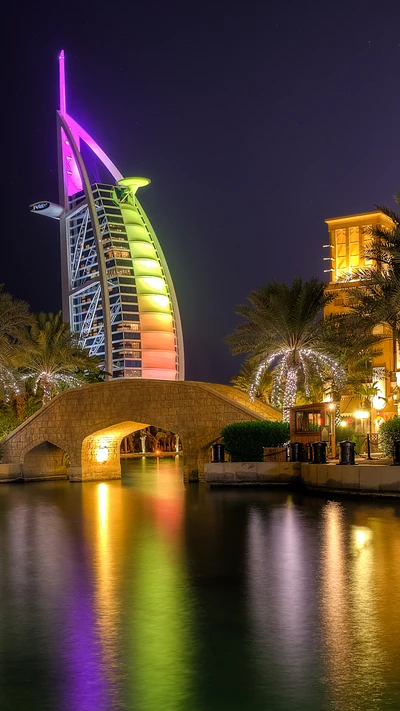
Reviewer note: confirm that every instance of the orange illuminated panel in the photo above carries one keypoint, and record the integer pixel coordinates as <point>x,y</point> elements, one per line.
<point>155,322</point>
<point>159,373</point>
<point>158,340</point>
<point>158,359</point>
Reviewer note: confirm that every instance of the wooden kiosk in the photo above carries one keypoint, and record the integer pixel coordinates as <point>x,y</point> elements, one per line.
<point>314,422</point>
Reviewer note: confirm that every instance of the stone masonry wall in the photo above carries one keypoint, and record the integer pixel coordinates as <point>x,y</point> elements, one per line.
<point>195,411</point>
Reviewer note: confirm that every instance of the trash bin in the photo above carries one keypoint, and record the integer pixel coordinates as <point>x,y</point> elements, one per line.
<point>396,452</point>
<point>218,453</point>
<point>297,452</point>
<point>347,452</point>
<point>319,452</point>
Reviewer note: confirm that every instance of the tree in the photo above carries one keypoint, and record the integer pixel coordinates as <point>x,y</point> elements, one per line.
<point>243,380</point>
<point>8,419</point>
<point>14,318</point>
<point>376,299</point>
<point>352,343</point>
<point>283,332</point>
<point>51,359</point>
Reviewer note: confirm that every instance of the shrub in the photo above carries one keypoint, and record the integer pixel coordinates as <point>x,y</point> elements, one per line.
<point>245,440</point>
<point>8,419</point>
<point>388,432</point>
<point>343,433</point>
<point>349,433</point>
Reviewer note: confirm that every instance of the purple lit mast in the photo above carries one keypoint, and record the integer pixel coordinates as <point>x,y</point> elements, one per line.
<point>117,292</point>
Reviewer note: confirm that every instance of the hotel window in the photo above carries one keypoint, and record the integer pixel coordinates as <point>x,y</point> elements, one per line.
<point>354,241</point>
<point>367,241</point>
<point>308,421</point>
<point>133,344</point>
<point>133,373</point>
<point>128,299</point>
<point>341,253</point>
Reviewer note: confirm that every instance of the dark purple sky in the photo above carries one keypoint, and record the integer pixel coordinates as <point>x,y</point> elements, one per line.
<point>254,120</point>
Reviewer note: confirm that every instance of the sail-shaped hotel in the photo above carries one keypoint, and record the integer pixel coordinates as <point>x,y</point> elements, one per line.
<point>116,287</point>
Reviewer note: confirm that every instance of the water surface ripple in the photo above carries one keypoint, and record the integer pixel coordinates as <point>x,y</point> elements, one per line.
<point>147,595</point>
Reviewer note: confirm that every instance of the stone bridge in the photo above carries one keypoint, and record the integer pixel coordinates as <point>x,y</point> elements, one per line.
<point>89,423</point>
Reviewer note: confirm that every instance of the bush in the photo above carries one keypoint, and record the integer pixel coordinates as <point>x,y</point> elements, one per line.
<point>388,432</point>
<point>245,440</point>
<point>346,433</point>
<point>8,420</point>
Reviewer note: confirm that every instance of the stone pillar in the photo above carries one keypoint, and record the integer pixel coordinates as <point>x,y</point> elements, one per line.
<point>193,465</point>
<point>101,458</point>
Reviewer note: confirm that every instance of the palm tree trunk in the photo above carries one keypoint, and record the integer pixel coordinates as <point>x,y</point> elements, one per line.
<point>289,397</point>
<point>46,385</point>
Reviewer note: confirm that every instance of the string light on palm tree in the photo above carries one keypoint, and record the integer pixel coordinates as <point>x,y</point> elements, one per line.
<point>51,358</point>
<point>291,363</point>
<point>283,334</point>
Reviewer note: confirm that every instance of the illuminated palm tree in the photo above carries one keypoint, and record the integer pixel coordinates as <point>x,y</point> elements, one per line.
<point>243,381</point>
<point>51,358</point>
<point>14,317</point>
<point>283,332</point>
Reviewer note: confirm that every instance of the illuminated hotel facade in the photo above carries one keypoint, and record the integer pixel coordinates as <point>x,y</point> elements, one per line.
<point>349,237</point>
<point>117,292</point>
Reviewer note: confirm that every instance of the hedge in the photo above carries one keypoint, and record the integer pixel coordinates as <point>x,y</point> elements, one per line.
<point>245,440</point>
<point>389,431</point>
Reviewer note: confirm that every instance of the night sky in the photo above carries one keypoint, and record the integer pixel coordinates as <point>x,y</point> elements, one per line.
<point>254,121</point>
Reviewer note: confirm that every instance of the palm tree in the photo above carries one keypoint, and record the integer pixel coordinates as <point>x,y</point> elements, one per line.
<point>351,341</point>
<point>243,380</point>
<point>377,299</point>
<point>283,332</point>
<point>51,359</point>
<point>14,317</point>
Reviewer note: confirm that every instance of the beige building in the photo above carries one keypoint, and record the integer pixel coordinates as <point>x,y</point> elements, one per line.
<point>349,237</point>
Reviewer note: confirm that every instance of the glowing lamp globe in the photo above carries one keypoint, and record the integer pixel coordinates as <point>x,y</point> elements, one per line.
<point>101,455</point>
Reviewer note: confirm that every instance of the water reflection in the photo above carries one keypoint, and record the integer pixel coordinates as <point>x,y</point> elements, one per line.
<point>145,594</point>
<point>355,658</point>
<point>335,602</point>
<point>280,570</point>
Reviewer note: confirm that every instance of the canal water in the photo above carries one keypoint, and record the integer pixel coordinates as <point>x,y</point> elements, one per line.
<point>146,595</point>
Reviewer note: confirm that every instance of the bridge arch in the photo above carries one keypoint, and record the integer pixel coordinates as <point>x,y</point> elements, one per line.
<point>97,417</point>
<point>101,450</point>
<point>44,460</point>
